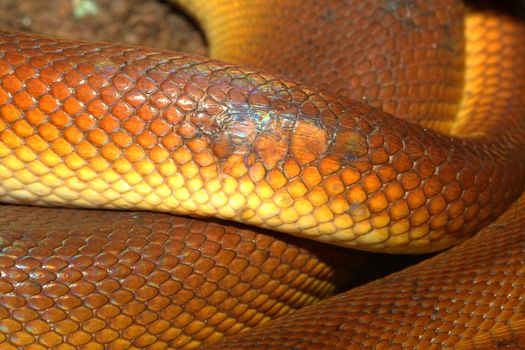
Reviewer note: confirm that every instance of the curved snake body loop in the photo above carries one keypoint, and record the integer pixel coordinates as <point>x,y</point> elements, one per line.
<point>398,128</point>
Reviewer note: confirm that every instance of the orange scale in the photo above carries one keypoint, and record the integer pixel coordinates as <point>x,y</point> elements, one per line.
<point>97,108</point>
<point>159,127</point>
<point>333,185</point>
<point>377,202</point>
<point>197,145</point>
<point>257,172</point>
<point>182,155</point>
<point>338,205</point>
<point>308,142</point>
<point>36,88</point>
<point>86,150</point>
<point>380,220</point>
<point>147,112</point>
<point>48,132</point>
<point>61,147</point>
<point>317,197</point>
<point>98,164</point>
<point>85,93</point>
<point>79,338</point>
<point>159,100</point>
<point>12,84</point>
<point>50,76</point>
<point>311,106</point>
<point>195,92</point>
<point>60,90</point>
<point>356,194</point>
<point>94,325</point>
<point>58,118</point>
<point>437,204</point>
<point>270,150</point>
<point>145,85</point>
<point>50,339</point>
<point>472,212</point>
<point>122,139</point>
<point>432,186</point>
<point>37,326</point>
<point>438,221</point>
<point>186,103</point>
<point>311,176</point>
<point>173,115</point>
<point>204,158</point>
<point>146,139</point>
<point>350,176</point>
<point>276,179</point>
<point>386,173</point>
<point>452,191</point>
<point>134,125</point>
<point>186,130</point>
<point>158,154</point>
<point>419,216</point>
<point>10,139</point>
<point>235,166</point>
<point>378,156</point>
<point>122,82</point>
<point>296,188</point>
<point>425,168</point>
<point>402,162</point>
<point>72,106</point>
<point>410,180</point>
<point>108,94</point>
<point>22,128</point>
<point>258,100</point>
<point>122,110</point>
<point>291,168</point>
<point>73,78</point>
<point>36,143</point>
<point>400,227</point>
<point>108,123</point>
<point>456,209</point>
<point>329,165</point>
<point>171,142</point>
<point>416,198</point>
<point>86,68</point>
<point>47,104</point>
<point>84,121</point>
<point>399,210</point>
<point>455,225</point>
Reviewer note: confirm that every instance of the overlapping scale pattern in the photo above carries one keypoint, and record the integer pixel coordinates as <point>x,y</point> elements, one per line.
<point>394,55</point>
<point>119,127</point>
<point>137,280</point>
<point>109,126</point>
<point>470,297</point>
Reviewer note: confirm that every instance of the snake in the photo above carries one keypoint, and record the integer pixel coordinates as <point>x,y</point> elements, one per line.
<point>382,126</point>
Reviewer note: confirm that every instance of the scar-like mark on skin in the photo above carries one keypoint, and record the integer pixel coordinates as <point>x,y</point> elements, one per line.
<point>308,142</point>
<point>271,150</point>
<point>350,145</point>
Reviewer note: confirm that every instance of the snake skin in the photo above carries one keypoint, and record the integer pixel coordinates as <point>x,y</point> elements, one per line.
<point>470,297</point>
<point>313,154</point>
<point>135,279</point>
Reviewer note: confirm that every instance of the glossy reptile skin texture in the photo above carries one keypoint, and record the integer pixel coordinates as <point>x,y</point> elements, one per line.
<point>103,126</point>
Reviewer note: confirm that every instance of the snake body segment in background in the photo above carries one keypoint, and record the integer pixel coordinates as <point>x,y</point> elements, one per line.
<point>318,154</point>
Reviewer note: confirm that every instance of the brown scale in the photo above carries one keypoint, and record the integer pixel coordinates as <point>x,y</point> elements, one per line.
<point>119,127</point>
<point>470,297</point>
<point>75,278</point>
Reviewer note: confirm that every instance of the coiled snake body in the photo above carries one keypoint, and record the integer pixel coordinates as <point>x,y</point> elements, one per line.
<point>318,154</point>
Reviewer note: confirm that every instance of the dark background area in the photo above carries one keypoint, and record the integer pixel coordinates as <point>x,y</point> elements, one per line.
<point>153,23</point>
